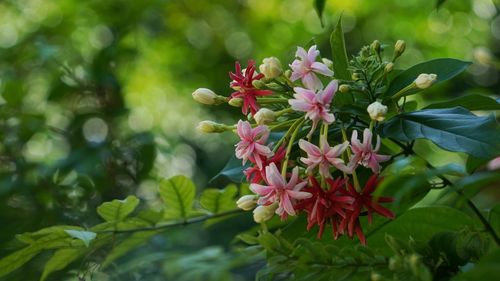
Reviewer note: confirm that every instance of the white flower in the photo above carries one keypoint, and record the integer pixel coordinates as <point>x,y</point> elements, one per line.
<point>205,96</point>
<point>377,111</point>
<point>425,80</point>
<point>247,202</point>
<point>264,116</point>
<point>271,68</point>
<point>264,213</point>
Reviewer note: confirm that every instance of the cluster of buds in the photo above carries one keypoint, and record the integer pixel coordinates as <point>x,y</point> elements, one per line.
<point>309,163</point>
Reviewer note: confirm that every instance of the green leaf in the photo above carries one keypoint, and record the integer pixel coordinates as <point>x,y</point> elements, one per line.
<point>178,194</point>
<point>217,201</point>
<point>85,236</point>
<point>319,6</point>
<point>471,102</point>
<point>60,260</point>
<point>117,210</point>
<point>494,218</point>
<point>445,69</point>
<point>17,259</point>
<point>454,129</point>
<point>128,244</point>
<point>420,224</point>
<point>339,54</point>
<point>232,171</point>
<point>439,3</point>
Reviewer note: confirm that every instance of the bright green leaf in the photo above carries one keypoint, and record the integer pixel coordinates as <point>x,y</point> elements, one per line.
<point>117,210</point>
<point>178,194</point>
<point>60,260</point>
<point>85,236</point>
<point>445,69</point>
<point>133,241</point>
<point>339,54</point>
<point>471,102</point>
<point>454,129</point>
<point>217,201</point>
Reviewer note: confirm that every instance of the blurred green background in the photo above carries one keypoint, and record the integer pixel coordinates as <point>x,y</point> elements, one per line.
<point>95,102</point>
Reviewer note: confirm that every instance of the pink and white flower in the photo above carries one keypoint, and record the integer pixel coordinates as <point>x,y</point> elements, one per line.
<point>364,153</point>
<point>324,156</point>
<point>278,190</point>
<point>316,105</point>
<point>253,143</point>
<point>305,67</point>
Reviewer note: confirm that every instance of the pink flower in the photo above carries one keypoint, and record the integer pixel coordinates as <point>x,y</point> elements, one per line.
<point>364,153</point>
<point>256,175</point>
<point>278,190</point>
<point>306,66</point>
<point>242,83</point>
<point>316,106</point>
<point>323,156</point>
<point>252,145</point>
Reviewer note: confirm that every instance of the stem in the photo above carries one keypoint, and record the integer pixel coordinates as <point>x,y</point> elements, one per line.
<point>403,91</point>
<point>290,130</point>
<point>348,151</point>
<point>272,100</point>
<point>176,224</point>
<point>289,148</point>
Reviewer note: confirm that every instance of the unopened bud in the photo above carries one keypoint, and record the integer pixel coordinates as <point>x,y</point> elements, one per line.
<point>375,276</point>
<point>264,213</point>
<point>207,96</point>
<point>389,67</point>
<point>425,80</point>
<point>414,261</point>
<point>355,76</point>
<point>327,62</point>
<point>258,84</point>
<point>211,127</point>
<point>344,88</point>
<point>271,68</point>
<point>376,46</point>
<point>247,202</point>
<point>288,73</point>
<point>399,48</point>
<point>377,111</point>
<point>236,102</point>
<point>264,116</point>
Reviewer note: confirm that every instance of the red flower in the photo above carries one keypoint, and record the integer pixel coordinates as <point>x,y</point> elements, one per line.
<point>365,201</point>
<point>326,206</point>
<point>256,175</point>
<point>242,83</point>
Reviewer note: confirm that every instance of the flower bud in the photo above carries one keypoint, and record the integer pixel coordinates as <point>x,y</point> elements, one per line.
<point>399,48</point>
<point>236,102</point>
<point>271,68</point>
<point>264,213</point>
<point>264,116</point>
<point>389,67</point>
<point>327,62</point>
<point>376,46</point>
<point>211,127</point>
<point>344,88</point>
<point>207,96</point>
<point>258,84</point>
<point>425,80</point>
<point>377,111</point>
<point>288,73</point>
<point>355,76</point>
<point>247,202</point>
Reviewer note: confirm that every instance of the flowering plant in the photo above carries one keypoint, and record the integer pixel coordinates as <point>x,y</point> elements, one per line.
<point>333,139</point>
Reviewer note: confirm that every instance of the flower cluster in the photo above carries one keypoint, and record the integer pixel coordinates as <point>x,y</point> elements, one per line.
<point>297,153</point>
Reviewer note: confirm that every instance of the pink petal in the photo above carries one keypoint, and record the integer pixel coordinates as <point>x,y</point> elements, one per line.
<point>312,54</point>
<point>310,148</point>
<point>261,190</point>
<point>329,118</point>
<point>304,94</point>
<point>329,91</point>
<point>301,53</point>
<point>367,139</point>
<point>286,204</point>
<point>244,129</point>
<point>337,150</point>
<point>299,195</point>
<point>311,81</point>
<point>273,176</point>
<point>300,105</point>
<point>321,68</point>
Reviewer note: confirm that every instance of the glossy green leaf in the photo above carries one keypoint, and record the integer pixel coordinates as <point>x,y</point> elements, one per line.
<point>217,200</point>
<point>60,260</point>
<point>319,6</point>
<point>117,210</point>
<point>85,236</point>
<point>232,171</point>
<point>454,129</point>
<point>420,224</point>
<point>471,102</point>
<point>339,53</point>
<point>178,194</point>
<point>445,69</point>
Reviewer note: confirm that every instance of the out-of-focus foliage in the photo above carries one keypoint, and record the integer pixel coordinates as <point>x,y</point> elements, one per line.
<point>95,95</point>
